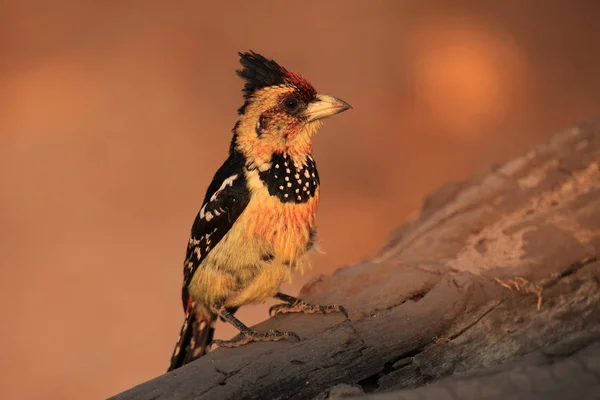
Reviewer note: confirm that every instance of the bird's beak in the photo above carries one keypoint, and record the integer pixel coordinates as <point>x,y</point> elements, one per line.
<point>324,106</point>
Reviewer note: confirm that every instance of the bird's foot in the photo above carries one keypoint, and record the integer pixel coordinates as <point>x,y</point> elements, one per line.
<point>252,336</point>
<point>294,305</point>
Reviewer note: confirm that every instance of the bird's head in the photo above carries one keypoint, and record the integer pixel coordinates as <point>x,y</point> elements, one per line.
<point>281,112</point>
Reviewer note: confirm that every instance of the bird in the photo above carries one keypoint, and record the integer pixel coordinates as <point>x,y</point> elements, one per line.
<point>257,219</point>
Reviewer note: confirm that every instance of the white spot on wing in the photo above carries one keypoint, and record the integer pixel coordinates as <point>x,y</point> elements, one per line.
<point>226,182</point>
<point>208,215</point>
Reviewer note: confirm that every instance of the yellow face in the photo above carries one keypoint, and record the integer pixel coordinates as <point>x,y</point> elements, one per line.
<point>283,119</point>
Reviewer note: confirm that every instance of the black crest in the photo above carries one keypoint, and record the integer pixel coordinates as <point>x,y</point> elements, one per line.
<point>259,72</point>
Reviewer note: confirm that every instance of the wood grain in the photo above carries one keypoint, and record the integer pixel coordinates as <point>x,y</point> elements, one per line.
<point>493,268</point>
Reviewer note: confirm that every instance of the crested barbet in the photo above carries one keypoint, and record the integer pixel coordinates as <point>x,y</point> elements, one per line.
<point>257,220</point>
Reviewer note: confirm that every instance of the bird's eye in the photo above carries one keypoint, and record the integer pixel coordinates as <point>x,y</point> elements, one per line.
<point>291,104</point>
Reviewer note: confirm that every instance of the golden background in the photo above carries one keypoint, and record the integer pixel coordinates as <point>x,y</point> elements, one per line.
<point>115,114</point>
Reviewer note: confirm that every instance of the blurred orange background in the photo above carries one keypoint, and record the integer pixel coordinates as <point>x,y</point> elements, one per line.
<point>114,116</point>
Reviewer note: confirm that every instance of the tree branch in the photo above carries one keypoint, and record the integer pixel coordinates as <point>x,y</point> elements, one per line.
<point>493,268</point>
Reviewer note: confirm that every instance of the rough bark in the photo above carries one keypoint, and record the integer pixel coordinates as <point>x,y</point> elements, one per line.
<point>566,370</point>
<point>496,267</point>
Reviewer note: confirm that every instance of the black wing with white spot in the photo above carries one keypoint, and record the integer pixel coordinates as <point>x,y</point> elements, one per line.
<point>225,200</point>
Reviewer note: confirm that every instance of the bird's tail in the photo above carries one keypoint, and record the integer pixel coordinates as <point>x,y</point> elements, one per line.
<point>194,339</point>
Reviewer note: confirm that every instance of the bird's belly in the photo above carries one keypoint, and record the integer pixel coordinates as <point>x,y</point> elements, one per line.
<point>263,248</point>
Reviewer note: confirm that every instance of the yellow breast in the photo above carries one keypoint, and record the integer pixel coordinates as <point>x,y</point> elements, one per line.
<point>283,228</point>
<point>262,249</point>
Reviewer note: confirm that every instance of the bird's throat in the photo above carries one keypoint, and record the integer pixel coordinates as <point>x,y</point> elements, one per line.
<point>289,180</point>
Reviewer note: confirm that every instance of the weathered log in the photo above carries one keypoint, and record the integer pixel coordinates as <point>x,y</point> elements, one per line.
<point>493,268</point>
<point>569,369</point>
